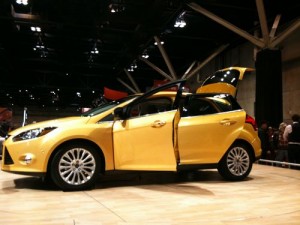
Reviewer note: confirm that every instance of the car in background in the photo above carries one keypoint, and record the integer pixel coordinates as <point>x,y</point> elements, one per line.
<point>161,130</point>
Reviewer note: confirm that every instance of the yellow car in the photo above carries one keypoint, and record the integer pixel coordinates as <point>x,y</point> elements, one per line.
<point>161,130</point>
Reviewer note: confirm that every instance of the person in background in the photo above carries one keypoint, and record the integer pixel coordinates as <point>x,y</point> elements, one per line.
<point>264,138</point>
<point>282,145</point>
<point>292,135</point>
<point>272,142</point>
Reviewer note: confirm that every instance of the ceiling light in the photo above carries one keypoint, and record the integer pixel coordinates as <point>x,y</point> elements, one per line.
<point>116,7</point>
<point>180,23</point>
<point>162,42</point>
<point>36,29</point>
<point>40,48</point>
<point>22,2</point>
<point>145,55</point>
<point>132,66</point>
<point>95,51</point>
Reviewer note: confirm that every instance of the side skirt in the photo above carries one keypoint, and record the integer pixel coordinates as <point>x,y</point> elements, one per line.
<point>196,166</point>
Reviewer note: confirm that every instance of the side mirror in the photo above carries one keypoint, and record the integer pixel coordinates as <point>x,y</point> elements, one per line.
<point>120,113</point>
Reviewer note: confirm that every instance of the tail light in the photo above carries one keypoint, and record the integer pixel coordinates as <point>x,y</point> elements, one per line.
<point>252,121</point>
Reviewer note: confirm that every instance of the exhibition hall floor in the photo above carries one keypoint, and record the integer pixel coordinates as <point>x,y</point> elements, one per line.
<point>271,195</point>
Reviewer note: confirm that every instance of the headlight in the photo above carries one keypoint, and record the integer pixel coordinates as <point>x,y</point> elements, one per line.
<point>34,133</point>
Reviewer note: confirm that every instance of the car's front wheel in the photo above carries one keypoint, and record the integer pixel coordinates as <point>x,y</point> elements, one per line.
<point>236,164</point>
<point>75,167</point>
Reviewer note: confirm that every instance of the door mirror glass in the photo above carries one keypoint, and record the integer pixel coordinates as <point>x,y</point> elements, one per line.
<point>120,113</point>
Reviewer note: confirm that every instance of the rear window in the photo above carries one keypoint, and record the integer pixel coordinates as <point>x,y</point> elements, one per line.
<point>197,105</point>
<point>225,102</point>
<point>229,77</point>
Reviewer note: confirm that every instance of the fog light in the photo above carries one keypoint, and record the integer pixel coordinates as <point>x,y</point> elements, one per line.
<point>28,159</point>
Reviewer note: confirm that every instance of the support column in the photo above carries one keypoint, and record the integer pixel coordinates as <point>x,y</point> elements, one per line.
<point>268,100</point>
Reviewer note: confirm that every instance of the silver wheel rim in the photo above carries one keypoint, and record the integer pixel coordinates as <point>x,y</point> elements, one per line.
<point>238,161</point>
<point>77,166</point>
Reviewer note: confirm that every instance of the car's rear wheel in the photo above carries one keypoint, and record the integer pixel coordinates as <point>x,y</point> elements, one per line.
<point>75,167</point>
<point>236,164</point>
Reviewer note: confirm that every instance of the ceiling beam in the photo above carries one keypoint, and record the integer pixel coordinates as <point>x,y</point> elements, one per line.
<point>166,57</point>
<point>213,55</point>
<point>283,35</point>
<point>132,81</point>
<point>275,26</point>
<point>126,85</point>
<point>228,25</point>
<point>263,21</point>
<point>189,69</point>
<point>160,71</point>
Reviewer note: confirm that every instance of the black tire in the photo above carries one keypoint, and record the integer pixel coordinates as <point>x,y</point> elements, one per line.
<point>236,164</point>
<point>75,167</point>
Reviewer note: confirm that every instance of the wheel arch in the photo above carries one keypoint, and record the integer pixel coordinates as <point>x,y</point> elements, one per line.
<point>78,141</point>
<point>248,146</point>
<point>237,166</point>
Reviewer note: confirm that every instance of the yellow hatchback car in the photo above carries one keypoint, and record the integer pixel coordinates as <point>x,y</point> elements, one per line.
<point>161,130</point>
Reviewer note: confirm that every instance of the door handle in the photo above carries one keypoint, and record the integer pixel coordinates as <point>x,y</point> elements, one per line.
<point>158,123</point>
<point>227,122</point>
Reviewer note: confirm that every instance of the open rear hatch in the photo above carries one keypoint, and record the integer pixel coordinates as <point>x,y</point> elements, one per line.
<point>224,81</point>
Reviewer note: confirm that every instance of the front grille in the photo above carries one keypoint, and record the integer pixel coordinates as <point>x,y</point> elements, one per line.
<point>7,158</point>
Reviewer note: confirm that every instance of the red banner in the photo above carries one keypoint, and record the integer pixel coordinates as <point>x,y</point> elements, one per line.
<point>113,94</point>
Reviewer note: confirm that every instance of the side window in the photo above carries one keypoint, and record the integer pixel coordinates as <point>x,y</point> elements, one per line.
<point>223,106</point>
<point>151,106</point>
<point>226,103</point>
<point>109,117</point>
<point>197,107</point>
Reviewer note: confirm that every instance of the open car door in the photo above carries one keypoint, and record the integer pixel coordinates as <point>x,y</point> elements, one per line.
<point>143,136</point>
<point>224,81</point>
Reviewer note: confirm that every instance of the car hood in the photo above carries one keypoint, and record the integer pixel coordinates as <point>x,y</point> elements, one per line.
<point>224,81</point>
<point>52,123</point>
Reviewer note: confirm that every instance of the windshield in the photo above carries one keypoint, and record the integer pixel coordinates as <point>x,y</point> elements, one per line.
<point>107,106</point>
<point>228,76</point>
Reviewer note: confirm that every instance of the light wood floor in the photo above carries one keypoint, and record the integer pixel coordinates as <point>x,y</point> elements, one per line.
<point>271,195</point>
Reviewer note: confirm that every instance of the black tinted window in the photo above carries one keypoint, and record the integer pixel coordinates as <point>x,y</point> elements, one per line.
<point>109,117</point>
<point>225,102</point>
<point>150,106</point>
<point>107,106</point>
<point>197,107</point>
